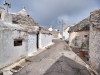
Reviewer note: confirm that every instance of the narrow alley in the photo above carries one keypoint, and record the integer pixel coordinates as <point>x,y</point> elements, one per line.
<point>58,59</point>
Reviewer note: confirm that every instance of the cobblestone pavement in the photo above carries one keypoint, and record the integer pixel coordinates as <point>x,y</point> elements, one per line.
<point>56,60</point>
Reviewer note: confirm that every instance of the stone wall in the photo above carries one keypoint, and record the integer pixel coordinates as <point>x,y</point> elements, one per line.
<point>32,44</point>
<point>54,35</point>
<point>94,44</point>
<point>8,52</point>
<point>66,34</point>
<point>6,17</point>
<point>76,38</point>
<point>1,10</point>
<point>44,40</point>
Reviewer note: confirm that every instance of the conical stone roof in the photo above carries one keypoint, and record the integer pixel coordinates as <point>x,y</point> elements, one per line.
<point>81,26</point>
<point>23,19</point>
<point>23,12</point>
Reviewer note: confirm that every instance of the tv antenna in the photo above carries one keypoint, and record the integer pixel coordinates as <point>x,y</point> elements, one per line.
<point>8,5</point>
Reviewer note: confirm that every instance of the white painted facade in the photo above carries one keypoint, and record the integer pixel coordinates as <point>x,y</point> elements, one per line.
<point>6,17</point>
<point>32,43</point>
<point>66,34</point>
<point>59,35</point>
<point>44,40</point>
<point>8,52</point>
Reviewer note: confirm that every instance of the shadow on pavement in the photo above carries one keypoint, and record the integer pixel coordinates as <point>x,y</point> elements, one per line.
<point>85,58</point>
<point>66,66</point>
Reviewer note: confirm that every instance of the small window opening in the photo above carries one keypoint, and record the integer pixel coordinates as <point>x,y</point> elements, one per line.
<point>15,22</point>
<point>18,43</point>
<point>85,35</point>
<point>28,15</point>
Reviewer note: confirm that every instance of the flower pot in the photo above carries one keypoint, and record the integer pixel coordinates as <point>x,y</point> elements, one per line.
<point>81,53</point>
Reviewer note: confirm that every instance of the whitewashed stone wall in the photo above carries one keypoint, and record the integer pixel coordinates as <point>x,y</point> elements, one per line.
<point>6,17</point>
<point>59,35</point>
<point>8,52</point>
<point>44,40</point>
<point>32,43</point>
<point>66,34</point>
<point>94,44</point>
<point>1,10</point>
<point>76,38</point>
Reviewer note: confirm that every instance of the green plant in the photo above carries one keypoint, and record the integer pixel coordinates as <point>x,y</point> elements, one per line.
<point>83,45</point>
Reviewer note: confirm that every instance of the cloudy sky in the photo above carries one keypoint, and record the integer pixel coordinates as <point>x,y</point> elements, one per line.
<point>52,12</point>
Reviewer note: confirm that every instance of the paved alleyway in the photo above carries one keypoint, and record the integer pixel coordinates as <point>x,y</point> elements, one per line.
<point>56,60</point>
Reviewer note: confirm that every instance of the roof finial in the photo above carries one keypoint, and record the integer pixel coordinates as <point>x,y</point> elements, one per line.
<point>23,7</point>
<point>51,26</point>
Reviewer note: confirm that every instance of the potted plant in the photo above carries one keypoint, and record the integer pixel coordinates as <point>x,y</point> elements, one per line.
<point>82,53</point>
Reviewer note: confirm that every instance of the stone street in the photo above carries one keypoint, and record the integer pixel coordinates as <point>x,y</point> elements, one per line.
<point>58,59</point>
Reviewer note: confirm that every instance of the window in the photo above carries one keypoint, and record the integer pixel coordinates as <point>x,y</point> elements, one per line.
<point>15,22</point>
<point>18,43</point>
<point>28,15</point>
<point>85,35</point>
